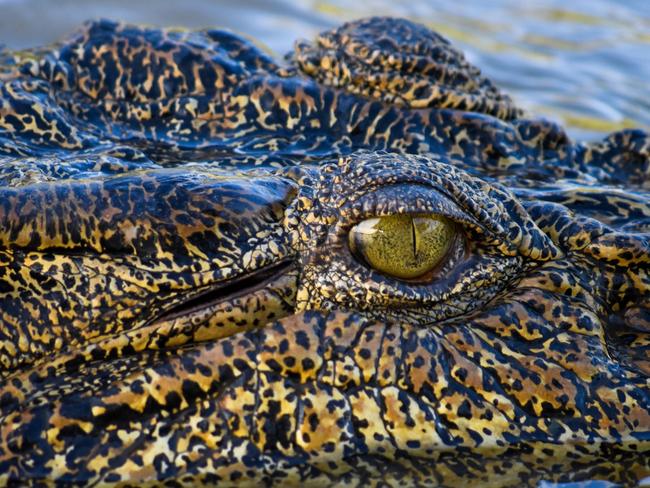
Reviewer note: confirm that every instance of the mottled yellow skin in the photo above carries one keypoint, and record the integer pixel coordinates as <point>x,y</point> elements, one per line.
<point>180,304</point>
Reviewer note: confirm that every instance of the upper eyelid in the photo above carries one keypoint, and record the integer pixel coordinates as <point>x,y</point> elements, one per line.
<point>348,181</point>
<point>386,203</point>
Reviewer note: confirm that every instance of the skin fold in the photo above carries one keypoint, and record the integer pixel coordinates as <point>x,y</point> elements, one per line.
<point>180,304</point>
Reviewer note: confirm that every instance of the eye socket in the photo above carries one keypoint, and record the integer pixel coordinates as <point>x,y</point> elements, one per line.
<point>404,246</point>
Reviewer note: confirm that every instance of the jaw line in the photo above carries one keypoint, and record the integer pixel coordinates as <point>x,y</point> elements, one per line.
<point>227,291</point>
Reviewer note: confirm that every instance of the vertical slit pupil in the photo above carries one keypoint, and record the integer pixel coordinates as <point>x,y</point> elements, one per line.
<point>414,237</point>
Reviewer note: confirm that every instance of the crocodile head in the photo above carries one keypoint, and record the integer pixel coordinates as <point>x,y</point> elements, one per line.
<point>213,323</point>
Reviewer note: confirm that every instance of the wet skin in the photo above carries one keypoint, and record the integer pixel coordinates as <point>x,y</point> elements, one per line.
<point>220,268</point>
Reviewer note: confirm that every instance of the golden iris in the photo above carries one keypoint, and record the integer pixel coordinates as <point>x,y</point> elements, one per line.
<point>404,246</point>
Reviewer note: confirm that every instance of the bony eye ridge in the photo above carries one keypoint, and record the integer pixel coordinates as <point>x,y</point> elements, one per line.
<point>403,246</point>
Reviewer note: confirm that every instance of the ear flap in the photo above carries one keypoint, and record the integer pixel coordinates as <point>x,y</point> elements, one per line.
<point>400,62</point>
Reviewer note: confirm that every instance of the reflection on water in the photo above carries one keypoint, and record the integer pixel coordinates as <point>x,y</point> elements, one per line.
<point>586,63</point>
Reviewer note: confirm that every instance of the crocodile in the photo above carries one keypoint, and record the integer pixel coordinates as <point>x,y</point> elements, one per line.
<point>362,264</point>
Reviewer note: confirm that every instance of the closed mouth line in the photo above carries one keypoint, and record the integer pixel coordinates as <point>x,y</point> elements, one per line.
<point>229,290</point>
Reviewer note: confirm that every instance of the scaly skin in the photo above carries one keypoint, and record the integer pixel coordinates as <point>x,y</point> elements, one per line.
<point>179,304</point>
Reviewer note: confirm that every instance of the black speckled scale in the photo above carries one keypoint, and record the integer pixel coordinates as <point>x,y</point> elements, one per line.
<point>179,305</point>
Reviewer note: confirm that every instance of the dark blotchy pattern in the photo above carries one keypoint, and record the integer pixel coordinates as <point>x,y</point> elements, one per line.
<point>179,304</point>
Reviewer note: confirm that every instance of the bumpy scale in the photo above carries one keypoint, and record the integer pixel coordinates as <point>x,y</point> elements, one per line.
<point>179,302</point>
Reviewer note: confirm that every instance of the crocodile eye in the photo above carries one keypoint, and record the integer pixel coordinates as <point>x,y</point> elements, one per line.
<point>403,246</point>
